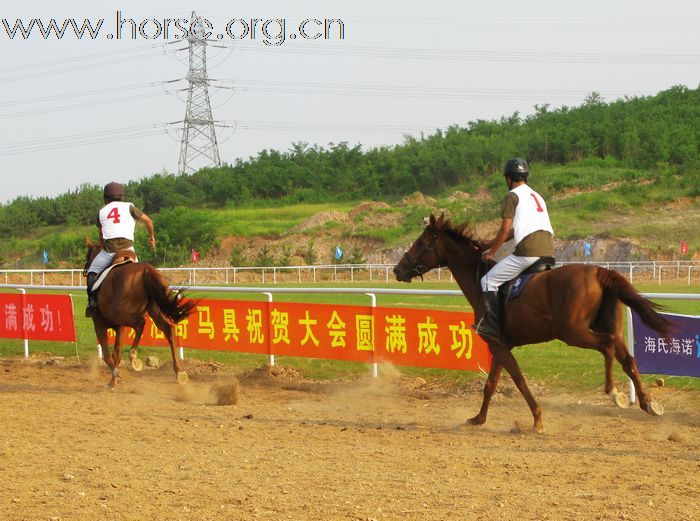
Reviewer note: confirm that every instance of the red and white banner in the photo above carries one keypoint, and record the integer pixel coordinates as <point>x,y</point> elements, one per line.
<point>401,336</point>
<point>37,317</point>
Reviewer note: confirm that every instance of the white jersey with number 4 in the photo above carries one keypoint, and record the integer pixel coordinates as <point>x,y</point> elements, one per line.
<point>530,214</point>
<point>116,221</point>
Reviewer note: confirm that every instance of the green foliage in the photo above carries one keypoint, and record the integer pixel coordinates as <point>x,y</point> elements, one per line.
<point>309,254</point>
<point>633,141</point>
<point>264,257</point>
<point>238,256</point>
<point>285,256</point>
<point>655,132</point>
<point>356,256</point>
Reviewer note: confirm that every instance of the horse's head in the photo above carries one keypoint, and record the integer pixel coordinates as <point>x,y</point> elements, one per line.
<point>92,251</point>
<point>435,247</point>
<point>425,253</point>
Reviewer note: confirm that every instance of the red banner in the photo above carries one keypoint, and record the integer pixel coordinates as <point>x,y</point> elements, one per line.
<point>401,336</point>
<point>37,317</point>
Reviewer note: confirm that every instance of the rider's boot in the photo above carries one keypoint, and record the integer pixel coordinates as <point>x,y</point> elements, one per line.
<point>489,327</point>
<point>92,298</point>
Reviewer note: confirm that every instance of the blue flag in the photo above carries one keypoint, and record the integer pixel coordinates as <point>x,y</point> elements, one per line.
<point>587,249</point>
<point>45,256</point>
<point>338,253</point>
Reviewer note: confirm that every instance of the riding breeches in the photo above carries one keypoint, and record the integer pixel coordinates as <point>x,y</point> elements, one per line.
<point>102,260</point>
<point>506,269</point>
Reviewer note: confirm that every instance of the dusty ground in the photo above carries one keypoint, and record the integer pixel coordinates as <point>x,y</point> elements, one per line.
<point>395,448</point>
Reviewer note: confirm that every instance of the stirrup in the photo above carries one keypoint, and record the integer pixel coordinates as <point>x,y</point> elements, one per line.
<point>90,311</point>
<point>488,332</point>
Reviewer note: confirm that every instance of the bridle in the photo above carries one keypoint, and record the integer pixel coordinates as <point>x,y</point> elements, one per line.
<point>417,269</point>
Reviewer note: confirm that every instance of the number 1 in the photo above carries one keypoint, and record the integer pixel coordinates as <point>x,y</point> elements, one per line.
<point>537,202</point>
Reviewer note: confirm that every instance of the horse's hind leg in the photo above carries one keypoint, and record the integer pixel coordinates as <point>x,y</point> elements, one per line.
<point>605,343</point>
<point>117,354</point>
<point>629,365</point>
<point>136,364</point>
<point>101,333</point>
<point>167,330</point>
<point>489,388</point>
<point>505,358</point>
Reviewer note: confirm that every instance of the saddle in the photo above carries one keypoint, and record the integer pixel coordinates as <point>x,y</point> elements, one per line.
<point>121,257</point>
<point>514,287</point>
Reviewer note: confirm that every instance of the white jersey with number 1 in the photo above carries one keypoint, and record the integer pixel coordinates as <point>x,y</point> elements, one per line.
<point>531,213</point>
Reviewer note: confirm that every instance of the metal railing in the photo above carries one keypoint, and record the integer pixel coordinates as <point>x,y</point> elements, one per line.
<point>649,271</point>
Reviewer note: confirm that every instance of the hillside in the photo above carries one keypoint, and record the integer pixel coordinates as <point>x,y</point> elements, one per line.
<point>624,214</point>
<point>624,176</point>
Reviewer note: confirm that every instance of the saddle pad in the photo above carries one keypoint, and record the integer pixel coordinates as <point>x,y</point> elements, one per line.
<point>109,268</point>
<point>517,285</point>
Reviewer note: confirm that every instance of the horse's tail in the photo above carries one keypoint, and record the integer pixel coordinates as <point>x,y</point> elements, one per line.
<point>620,288</point>
<point>169,302</point>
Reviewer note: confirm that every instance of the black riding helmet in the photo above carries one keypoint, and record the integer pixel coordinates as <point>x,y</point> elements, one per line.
<point>517,169</point>
<point>113,192</point>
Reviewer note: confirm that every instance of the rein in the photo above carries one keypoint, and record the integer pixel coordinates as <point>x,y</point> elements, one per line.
<point>419,269</point>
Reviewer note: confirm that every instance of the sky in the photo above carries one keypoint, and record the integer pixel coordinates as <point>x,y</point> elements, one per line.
<point>94,110</point>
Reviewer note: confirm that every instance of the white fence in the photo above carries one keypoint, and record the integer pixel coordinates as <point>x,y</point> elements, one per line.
<point>369,292</point>
<point>650,271</point>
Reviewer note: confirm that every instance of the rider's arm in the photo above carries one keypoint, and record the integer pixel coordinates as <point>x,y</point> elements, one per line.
<point>505,233</point>
<point>145,219</point>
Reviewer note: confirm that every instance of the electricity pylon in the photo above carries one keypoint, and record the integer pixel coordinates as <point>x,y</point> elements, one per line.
<point>198,143</point>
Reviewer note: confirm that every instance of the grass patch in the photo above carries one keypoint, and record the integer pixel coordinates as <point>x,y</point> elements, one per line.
<point>553,364</point>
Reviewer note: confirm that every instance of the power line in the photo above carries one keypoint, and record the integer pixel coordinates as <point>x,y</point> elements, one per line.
<point>75,140</point>
<point>515,56</point>
<point>63,108</point>
<point>80,66</point>
<point>77,94</point>
<point>343,89</point>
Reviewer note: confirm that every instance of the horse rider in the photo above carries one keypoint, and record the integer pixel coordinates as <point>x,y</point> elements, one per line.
<point>525,219</point>
<point>116,221</point>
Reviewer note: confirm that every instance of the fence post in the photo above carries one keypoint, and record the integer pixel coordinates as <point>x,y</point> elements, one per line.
<point>375,367</point>
<point>630,349</point>
<point>269,328</point>
<point>24,323</point>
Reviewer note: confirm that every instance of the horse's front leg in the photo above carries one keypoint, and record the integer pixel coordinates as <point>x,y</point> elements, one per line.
<point>489,389</point>
<point>504,356</point>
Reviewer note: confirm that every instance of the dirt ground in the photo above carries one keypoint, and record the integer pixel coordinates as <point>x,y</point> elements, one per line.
<point>393,448</point>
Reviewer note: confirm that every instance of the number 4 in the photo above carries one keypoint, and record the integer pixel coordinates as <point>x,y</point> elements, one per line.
<point>114,215</point>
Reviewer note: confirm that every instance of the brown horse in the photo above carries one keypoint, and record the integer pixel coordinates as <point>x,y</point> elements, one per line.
<point>127,293</point>
<point>579,304</point>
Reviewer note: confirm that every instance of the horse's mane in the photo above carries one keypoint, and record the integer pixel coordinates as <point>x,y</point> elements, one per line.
<point>462,233</point>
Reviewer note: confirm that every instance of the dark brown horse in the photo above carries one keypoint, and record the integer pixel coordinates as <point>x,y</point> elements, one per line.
<point>126,295</point>
<point>579,304</point>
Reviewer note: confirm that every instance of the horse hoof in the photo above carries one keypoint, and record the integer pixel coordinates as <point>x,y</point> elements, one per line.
<point>620,399</point>
<point>182,378</point>
<point>137,365</point>
<point>133,354</point>
<point>474,421</point>
<point>655,408</point>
